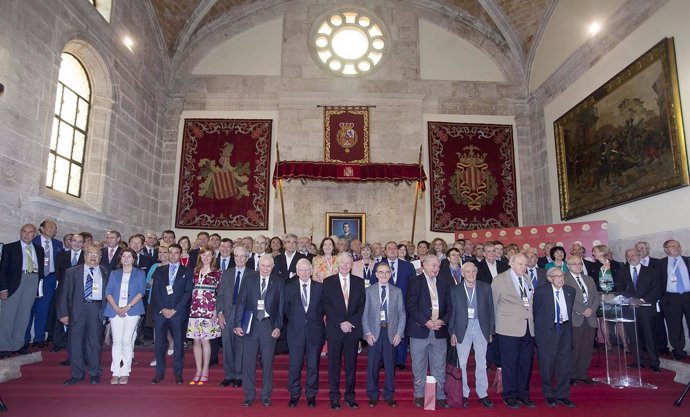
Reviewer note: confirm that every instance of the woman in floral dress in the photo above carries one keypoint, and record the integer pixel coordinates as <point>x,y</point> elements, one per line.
<point>324,262</point>
<point>203,318</point>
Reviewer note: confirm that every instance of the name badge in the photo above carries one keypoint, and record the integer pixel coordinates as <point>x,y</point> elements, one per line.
<point>673,279</point>
<point>383,315</point>
<point>260,305</point>
<point>169,289</point>
<point>525,301</point>
<point>46,262</point>
<point>96,288</point>
<point>434,304</point>
<point>470,313</point>
<point>123,297</point>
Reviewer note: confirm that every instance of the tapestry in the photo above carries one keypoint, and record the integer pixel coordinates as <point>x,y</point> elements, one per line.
<point>346,134</point>
<point>224,175</point>
<point>472,176</point>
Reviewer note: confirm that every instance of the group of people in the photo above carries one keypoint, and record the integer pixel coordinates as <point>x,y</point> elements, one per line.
<point>246,295</point>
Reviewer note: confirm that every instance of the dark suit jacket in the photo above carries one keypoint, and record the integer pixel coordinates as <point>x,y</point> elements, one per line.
<point>182,290</point>
<point>647,286</point>
<point>405,272</point>
<point>226,290</point>
<point>662,269</point>
<point>544,308</point>
<point>112,265</point>
<point>458,304</point>
<point>593,269</point>
<point>541,262</point>
<point>144,262</point>
<point>334,306</point>
<point>541,276</point>
<point>11,266</point>
<point>250,294</point>
<point>56,246</point>
<point>484,273</point>
<point>63,262</point>
<point>71,301</point>
<point>418,303</point>
<point>303,326</point>
<point>282,269</point>
<point>446,274</point>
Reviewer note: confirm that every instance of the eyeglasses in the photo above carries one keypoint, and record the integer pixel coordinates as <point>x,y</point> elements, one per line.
<point>558,276</point>
<point>384,272</point>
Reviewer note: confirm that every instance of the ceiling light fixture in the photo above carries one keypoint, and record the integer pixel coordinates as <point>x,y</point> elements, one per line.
<point>594,28</point>
<point>129,43</point>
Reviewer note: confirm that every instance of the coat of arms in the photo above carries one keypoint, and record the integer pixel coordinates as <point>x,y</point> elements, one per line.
<point>472,184</point>
<point>223,181</point>
<point>347,136</point>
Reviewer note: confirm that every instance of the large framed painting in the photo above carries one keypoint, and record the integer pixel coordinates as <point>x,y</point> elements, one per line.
<point>224,174</point>
<point>624,141</point>
<point>348,226</point>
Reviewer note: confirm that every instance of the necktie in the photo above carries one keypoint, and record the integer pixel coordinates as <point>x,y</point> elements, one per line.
<point>434,299</point>
<point>384,302</point>
<point>534,277</point>
<point>222,264</point>
<point>171,276</point>
<point>29,259</point>
<point>456,276</point>
<point>263,287</point>
<point>680,286</point>
<point>393,272</point>
<point>558,310</point>
<point>346,291</point>
<point>46,249</point>
<point>151,252</point>
<point>582,287</point>
<point>88,288</point>
<point>74,258</point>
<point>634,277</point>
<point>111,252</point>
<point>305,303</point>
<point>236,289</point>
<point>523,291</point>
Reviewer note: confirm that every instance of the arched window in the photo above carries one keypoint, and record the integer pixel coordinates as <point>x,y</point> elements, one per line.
<point>68,138</point>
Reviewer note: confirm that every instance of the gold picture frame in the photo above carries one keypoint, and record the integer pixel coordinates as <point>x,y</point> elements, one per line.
<point>624,141</point>
<point>356,225</point>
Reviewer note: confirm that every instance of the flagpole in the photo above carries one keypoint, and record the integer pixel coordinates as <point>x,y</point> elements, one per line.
<point>280,190</point>
<point>416,196</point>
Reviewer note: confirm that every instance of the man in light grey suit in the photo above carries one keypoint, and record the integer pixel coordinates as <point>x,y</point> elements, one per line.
<point>228,291</point>
<point>584,319</point>
<point>383,325</point>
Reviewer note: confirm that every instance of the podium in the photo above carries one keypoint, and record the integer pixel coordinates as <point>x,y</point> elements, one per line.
<point>620,317</point>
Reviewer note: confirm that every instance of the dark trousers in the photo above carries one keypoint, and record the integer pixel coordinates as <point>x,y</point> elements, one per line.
<point>40,311</point>
<point>258,340</point>
<point>660,336</point>
<point>516,364</point>
<point>232,353</point>
<point>583,345</point>
<point>382,350</point>
<point>160,328</point>
<point>344,348</point>
<point>86,341</point>
<point>676,306</point>
<point>645,336</point>
<point>299,349</point>
<point>401,352</point>
<point>554,350</point>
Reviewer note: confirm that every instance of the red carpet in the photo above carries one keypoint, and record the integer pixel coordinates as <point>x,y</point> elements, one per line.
<point>40,393</point>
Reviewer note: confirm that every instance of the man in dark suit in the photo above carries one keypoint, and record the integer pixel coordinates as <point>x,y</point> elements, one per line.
<point>451,267</point>
<point>228,293</point>
<point>343,299</point>
<point>305,332</point>
<point>143,261</point>
<point>46,287</point>
<point>660,336</point>
<point>383,325</point>
<point>471,325</point>
<point>536,275</point>
<point>110,254</point>
<point>64,261</point>
<point>151,246</point>
<point>304,243</point>
<point>21,269</point>
<point>553,333</point>
<point>541,263</point>
<point>426,326</point>
<point>489,267</point>
<point>263,297</point>
<point>172,290</point>
<point>202,239</point>
<point>286,262</point>
<point>81,304</point>
<point>401,274</point>
<point>674,272</point>
<point>641,283</point>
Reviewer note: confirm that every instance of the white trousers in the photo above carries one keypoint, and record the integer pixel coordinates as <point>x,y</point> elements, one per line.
<point>124,331</point>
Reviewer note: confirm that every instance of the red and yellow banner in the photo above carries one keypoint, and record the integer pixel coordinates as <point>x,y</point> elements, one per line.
<point>346,134</point>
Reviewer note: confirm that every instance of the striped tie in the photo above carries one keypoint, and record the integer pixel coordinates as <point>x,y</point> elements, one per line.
<point>88,288</point>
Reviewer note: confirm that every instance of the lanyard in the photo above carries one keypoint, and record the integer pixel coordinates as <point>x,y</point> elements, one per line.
<point>470,299</point>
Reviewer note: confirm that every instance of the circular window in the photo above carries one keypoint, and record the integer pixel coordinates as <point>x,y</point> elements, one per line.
<point>349,42</point>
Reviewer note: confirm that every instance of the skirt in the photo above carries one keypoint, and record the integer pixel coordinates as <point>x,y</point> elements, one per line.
<point>203,328</point>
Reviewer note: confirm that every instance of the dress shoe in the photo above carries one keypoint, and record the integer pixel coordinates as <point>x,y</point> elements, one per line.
<point>352,403</point>
<point>24,350</point>
<point>178,379</point>
<point>64,363</point>
<point>115,380</point>
<point>247,403</point>
<point>95,380</point>
<point>419,402</point>
<point>527,402</point>
<point>679,354</point>
<point>311,402</point>
<point>225,382</point>
<point>72,381</point>
<point>38,345</point>
<point>511,403</point>
<point>486,402</point>
<point>266,402</point>
<point>551,402</point>
<point>442,404</point>
<point>392,403</point>
<point>566,402</point>
<point>401,367</point>
<point>56,349</point>
<point>157,379</point>
<point>372,402</point>
<point>4,354</point>
<point>237,383</point>
<point>588,381</point>
<point>573,381</point>
<point>655,369</point>
<point>335,405</point>
<point>293,402</point>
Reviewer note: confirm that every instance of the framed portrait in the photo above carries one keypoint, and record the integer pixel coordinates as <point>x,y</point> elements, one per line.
<point>348,226</point>
<point>624,141</point>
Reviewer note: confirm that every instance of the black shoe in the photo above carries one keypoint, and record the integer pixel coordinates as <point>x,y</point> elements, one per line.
<point>442,404</point>
<point>237,383</point>
<point>418,402</point>
<point>266,402</point>
<point>4,354</point>
<point>225,382</point>
<point>486,402</point>
<point>72,381</point>
<point>293,402</point>
<point>352,403</point>
<point>566,402</point>
<point>655,369</point>
<point>392,403</point>
<point>56,349</point>
<point>157,379</point>
<point>178,379</point>
<point>373,402</point>
<point>573,381</point>
<point>311,402</point>
<point>64,363</point>
<point>38,345</point>
<point>401,367</point>
<point>551,402</point>
<point>247,403</point>
<point>588,381</point>
<point>24,350</point>
<point>95,380</point>
<point>335,405</point>
<point>511,403</point>
<point>679,354</point>
<point>465,402</point>
<point>527,402</point>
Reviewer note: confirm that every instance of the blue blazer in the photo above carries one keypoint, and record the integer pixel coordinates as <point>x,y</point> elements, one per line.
<point>403,275</point>
<point>137,285</point>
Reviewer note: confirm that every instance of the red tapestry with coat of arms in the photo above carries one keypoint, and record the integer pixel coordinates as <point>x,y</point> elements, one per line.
<point>224,175</point>
<point>346,134</point>
<point>472,176</point>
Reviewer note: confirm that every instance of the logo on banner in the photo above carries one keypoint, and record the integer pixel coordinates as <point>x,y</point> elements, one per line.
<point>224,180</point>
<point>347,136</point>
<point>472,184</point>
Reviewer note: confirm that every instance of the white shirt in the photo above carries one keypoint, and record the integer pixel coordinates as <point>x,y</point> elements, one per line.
<point>288,261</point>
<point>492,268</point>
<point>33,256</point>
<point>97,288</point>
<point>561,302</point>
